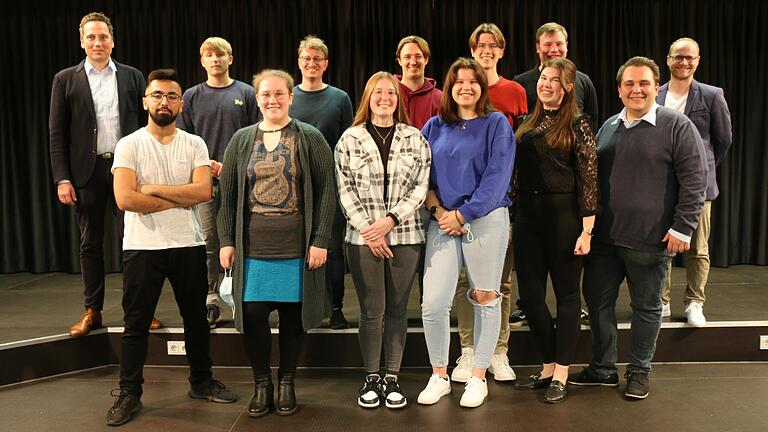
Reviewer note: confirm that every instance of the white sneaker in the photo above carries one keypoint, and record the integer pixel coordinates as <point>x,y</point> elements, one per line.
<point>666,310</point>
<point>475,391</point>
<point>463,370</point>
<point>436,388</point>
<point>500,368</point>
<point>695,314</point>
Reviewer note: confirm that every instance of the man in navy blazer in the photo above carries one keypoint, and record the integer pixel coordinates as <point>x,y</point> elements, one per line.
<point>706,107</point>
<point>93,104</point>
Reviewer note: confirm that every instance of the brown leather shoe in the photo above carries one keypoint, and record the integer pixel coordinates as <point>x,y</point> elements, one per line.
<point>89,320</point>
<point>155,324</point>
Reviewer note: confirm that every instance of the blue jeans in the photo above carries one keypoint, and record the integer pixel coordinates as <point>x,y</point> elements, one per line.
<point>604,270</point>
<point>482,251</point>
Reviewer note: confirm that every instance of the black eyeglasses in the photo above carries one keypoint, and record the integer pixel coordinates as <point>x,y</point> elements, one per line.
<point>158,96</point>
<point>680,59</point>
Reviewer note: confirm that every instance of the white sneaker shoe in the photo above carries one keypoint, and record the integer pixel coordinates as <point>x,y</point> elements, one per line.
<point>695,314</point>
<point>666,310</point>
<point>463,370</point>
<point>500,368</point>
<point>475,391</point>
<point>436,388</point>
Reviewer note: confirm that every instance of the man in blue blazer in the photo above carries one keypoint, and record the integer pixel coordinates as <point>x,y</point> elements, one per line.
<point>93,105</point>
<point>706,107</point>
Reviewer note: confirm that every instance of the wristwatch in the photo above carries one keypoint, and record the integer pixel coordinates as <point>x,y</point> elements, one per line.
<point>433,210</point>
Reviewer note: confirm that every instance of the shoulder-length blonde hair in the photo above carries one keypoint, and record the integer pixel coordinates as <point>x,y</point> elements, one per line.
<point>449,110</point>
<point>363,113</point>
<point>563,132</point>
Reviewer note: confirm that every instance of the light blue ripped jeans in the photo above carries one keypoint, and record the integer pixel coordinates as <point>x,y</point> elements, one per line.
<point>482,251</point>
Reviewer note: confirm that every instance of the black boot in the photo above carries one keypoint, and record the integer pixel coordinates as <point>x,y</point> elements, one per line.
<point>286,394</point>
<point>263,399</point>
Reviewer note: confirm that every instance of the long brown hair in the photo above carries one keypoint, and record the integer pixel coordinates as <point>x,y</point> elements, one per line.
<point>363,113</point>
<point>449,110</point>
<point>563,132</point>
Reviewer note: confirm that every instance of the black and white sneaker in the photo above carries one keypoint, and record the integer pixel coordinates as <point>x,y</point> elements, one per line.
<point>370,392</point>
<point>393,396</point>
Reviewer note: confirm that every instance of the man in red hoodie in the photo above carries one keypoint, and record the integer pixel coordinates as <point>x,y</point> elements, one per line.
<point>420,94</point>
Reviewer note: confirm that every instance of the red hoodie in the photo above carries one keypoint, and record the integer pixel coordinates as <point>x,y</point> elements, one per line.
<point>422,104</point>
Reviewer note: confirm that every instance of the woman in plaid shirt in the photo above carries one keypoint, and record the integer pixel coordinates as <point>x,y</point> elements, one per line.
<point>382,167</point>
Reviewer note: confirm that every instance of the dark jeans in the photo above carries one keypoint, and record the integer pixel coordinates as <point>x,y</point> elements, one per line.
<point>604,270</point>
<point>335,268</point>
<point>257,335</point>
<point>545,231</point>
<point>144,272</point>
<point>92,201</point>
<point>383,288</point>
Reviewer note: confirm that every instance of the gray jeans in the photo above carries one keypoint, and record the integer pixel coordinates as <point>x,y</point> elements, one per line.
<point>207,211</point>
<point>383,288</point>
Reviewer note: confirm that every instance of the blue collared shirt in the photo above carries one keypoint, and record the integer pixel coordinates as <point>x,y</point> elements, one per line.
<point>104,92</point>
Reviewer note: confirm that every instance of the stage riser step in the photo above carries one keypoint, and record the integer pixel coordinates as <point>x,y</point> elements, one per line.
<point>341,349</point>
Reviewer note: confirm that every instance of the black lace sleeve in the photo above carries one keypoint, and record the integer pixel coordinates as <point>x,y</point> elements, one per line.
<point>585,152</point>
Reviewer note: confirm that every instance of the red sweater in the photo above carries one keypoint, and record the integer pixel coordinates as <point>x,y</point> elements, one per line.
<point>422,104</point>
<point>509,98</point>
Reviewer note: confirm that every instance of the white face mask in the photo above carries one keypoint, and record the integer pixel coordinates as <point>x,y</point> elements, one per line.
<point>225,289</point>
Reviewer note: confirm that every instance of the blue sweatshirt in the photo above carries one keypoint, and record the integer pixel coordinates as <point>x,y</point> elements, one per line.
<point>471,164</point>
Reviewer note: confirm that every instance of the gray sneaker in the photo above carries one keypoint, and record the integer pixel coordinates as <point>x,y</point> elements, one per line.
<point>638,385</point>
<point>214,315</point>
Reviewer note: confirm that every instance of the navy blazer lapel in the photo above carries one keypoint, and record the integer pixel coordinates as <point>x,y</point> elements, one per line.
<point>123,84</point>
<point>693,97</point>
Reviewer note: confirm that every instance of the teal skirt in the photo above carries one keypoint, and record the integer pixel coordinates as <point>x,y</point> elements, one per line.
<point>273,280</point>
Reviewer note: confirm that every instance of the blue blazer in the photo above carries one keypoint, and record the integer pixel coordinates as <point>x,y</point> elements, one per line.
<point>707,109</point>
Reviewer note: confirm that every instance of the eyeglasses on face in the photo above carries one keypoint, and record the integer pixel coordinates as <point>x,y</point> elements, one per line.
<point>680,59</point>
<point>307,59</point>
<point>268,95</point>
<point>158,96</point>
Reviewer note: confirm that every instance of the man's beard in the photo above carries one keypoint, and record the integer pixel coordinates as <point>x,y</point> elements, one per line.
<point>162,119</point>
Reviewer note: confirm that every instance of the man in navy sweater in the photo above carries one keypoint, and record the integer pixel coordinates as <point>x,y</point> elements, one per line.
<point>652,174</point>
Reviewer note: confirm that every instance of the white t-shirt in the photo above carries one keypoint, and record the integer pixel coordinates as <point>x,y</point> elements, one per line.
<point>676,103</point>
<point>168,164</point>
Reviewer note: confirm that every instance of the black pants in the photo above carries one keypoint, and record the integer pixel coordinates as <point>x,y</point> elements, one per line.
<point>545,231</point>
<point>92,202</point>
<point>144,272</point>
<point>257,335</point>
<point>335,267</point>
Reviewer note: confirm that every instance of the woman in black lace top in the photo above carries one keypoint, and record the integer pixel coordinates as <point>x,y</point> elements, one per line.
<point>556,202</point>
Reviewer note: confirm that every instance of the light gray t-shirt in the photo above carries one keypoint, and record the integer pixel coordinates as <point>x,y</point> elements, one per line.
<point>168,164</point>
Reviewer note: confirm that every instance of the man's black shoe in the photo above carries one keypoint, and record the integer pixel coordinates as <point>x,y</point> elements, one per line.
<point>338,320</point>
<point>517,319</point>
<point>638,385</point>
<point>125,406</point>
<point>585,378</point>
<point>213,391</point>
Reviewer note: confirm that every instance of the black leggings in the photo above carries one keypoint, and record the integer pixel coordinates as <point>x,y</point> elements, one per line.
<point>545,231</point>
<point>257,335</point>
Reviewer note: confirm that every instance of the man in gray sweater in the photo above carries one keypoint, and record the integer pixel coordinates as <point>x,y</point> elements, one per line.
<point>652,174</point>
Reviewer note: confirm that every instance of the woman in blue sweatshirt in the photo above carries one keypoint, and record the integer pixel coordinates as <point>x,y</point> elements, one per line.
<point>473,152</point>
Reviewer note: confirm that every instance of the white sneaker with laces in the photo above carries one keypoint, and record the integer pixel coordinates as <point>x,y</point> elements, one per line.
<point>436,388</point>
<point>463,370</point>
<point>500,368</point>
<point>695,314</point>
<point>666,310</point>
<point>475,391</point>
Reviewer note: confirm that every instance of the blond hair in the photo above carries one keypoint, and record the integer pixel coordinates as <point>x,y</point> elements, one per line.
<point>217,45</point>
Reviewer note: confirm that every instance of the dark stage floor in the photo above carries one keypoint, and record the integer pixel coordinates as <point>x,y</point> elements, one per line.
<point>33,306</point>
<point>684,397</point>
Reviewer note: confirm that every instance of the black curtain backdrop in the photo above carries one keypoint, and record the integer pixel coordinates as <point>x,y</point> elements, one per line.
<point>41,38</point>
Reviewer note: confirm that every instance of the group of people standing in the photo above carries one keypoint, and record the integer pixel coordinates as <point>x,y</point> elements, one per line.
<point>281,184</point>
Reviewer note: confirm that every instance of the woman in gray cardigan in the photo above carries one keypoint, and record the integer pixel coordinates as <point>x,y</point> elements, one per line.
<point>277,205</point>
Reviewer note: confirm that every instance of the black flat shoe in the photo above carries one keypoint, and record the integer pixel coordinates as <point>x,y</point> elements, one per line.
<point>535,381</point>
<point>556,392</point>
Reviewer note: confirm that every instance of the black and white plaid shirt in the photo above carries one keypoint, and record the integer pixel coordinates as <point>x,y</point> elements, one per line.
<point>360,175</point>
